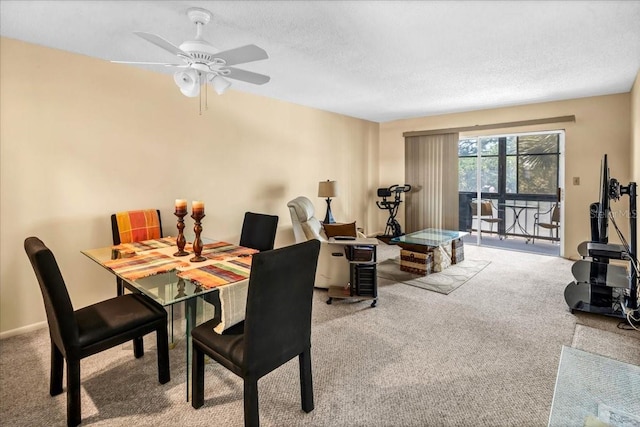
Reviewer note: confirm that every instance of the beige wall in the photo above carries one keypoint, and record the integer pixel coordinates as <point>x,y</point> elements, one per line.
<point>82,138</point>
<point>602,126</point>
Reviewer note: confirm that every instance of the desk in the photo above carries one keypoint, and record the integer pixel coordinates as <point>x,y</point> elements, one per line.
<point>150,268</point>
<point>363,283</point>
<point>517,211</point>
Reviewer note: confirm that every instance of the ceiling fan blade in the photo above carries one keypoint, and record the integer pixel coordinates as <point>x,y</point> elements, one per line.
<point>241,55</point>
<point>160,42</point>
<point>150,63</point>
<point>245,76</point>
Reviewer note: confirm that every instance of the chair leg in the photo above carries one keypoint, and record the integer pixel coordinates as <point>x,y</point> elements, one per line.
<point>251,416</point>
<point>57,366</point>
<point>74,410</point>
<point>162,344</point>
<point>197,377</point>
<point>306,382</point>
<point>119,286</point>
<point>138,347</point>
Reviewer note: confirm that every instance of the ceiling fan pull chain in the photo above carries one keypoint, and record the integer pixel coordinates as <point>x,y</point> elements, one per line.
<point>200,94</point>
<point>206,96</point>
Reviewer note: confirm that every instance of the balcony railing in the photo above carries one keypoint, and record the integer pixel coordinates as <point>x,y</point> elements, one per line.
<point>518,213</point>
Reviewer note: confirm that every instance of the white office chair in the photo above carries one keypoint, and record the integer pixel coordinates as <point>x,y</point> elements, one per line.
<point>333,267</point>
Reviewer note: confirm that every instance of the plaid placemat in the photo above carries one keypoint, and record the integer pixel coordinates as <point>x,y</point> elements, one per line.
<point>227,251</point>
<point>207,247</point>
<point>220,273</point>
<point>146,245</point>
<point>140,266</point>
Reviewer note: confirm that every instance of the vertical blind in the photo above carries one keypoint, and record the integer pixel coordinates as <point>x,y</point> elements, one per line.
<point>431,168</point>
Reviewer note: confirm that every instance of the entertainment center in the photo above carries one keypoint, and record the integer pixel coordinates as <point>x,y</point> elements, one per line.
<point>600,286</point>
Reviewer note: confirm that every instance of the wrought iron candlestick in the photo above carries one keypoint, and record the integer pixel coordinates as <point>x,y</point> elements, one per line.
<point>180,240</point>
<point>197,242</point>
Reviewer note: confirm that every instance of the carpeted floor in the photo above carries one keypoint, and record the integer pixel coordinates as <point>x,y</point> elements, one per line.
<point>484,355</point>
<point>444,282</point>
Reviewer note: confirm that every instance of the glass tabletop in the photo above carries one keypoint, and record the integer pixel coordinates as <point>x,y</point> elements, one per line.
<point>165,288</point>
<point>592,387</point>
<point>430,237</point>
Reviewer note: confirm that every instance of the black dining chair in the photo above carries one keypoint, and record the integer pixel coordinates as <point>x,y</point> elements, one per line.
<point>76,334</point>
<point>258,231</point>
<point>276,329</point>
<point>134,226</point>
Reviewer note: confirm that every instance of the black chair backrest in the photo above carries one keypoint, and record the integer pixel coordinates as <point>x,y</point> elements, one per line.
<point>258,231</point>
<point>279,299</point>
<point>60,314</point>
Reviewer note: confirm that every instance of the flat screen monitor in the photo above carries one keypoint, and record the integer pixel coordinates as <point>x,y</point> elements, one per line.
<point>604,203</point>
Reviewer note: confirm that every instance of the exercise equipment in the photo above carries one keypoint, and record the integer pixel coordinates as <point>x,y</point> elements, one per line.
<point>393,228</point>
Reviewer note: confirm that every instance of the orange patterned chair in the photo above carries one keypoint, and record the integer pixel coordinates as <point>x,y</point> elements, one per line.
<point>135,226</point>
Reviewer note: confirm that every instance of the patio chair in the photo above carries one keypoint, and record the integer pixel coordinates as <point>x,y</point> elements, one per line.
<point>486,214</point>
<point>553,224</point>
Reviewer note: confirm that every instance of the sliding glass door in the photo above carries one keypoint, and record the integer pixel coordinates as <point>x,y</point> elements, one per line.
<point>478,185</point>
<point>509,186</point>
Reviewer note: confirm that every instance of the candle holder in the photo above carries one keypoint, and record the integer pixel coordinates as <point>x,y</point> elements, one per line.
<point>180,240</point>
<point>181,288</point>
<point>197,242</point>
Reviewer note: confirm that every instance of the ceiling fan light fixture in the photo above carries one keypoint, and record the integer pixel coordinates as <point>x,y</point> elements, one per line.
<point>203,63</point>
<point>220,84</point>
<point>189,82</point>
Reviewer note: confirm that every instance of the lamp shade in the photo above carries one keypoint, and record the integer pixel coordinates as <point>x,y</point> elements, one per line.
<point>220,84</point>
<point>327,189</point>
<point>188,82</point>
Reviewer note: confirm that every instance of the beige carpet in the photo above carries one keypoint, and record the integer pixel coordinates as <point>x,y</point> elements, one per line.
<point>443,282</point>
<point>486,355</point>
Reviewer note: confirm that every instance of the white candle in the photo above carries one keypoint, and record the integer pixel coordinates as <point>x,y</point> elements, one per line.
<point>181,205</point>
<point>197,207</point>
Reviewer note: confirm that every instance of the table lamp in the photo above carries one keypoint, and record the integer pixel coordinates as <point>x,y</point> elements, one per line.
<point>328,189</point>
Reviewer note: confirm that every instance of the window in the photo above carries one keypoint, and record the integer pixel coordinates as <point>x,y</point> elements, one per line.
<point>467,164</point>
<point>530,164</point>
<point>536,164</point>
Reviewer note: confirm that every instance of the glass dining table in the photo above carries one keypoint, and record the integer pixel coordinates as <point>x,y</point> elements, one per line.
<point>150,268</point>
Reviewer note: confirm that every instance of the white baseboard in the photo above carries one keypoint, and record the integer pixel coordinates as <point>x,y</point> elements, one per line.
<point>23,330</point>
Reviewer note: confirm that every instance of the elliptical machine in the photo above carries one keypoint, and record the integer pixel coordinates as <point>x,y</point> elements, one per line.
<point>393,228</point>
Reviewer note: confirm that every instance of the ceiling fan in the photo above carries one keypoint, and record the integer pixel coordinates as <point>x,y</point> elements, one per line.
<point>202,63</point>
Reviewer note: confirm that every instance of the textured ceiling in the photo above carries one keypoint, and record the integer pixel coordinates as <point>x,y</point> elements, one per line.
<point>376,60</point>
